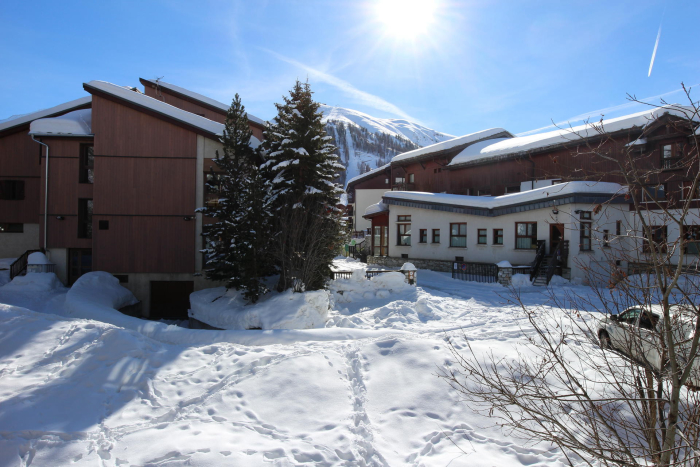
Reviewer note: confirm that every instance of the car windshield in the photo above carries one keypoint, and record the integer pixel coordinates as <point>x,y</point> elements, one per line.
<point>630,316</point>
<point>648,320</point>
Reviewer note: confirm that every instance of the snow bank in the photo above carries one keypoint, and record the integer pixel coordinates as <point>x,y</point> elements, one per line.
<point>521,280</point>
<point>76,123</point>
<point>287,310</point>
<point>34,283</point>
<point>359,288</point>
<point>492,202</point>
<point>97,298</point>
<point>38,258</point>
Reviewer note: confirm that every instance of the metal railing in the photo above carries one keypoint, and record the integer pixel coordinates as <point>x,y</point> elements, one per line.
<point>539,257</point>
<point>19,266</point>
<point>477,272</point>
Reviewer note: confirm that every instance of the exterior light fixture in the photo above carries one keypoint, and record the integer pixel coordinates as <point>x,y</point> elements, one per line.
<point>60,218</point>
<point>555,211</point>
<point>187,218</point>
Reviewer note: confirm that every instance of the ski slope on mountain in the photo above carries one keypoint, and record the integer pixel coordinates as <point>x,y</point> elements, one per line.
<point>367,142</point>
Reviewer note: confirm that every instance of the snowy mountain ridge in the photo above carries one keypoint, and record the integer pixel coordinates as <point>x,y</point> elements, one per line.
<point>365,142</point>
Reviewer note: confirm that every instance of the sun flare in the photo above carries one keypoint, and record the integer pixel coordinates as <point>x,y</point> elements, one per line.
<point>406,18</point>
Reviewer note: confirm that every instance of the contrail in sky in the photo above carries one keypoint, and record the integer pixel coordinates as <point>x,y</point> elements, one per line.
<point>653,55</point>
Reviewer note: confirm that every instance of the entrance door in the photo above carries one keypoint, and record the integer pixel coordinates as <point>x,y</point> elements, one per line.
<point>556,235</point>
<point>380,240</point>
<point>79,262</point>
<point>170,299</point>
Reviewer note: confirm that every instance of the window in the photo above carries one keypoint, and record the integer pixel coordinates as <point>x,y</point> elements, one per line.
<point>585,215</point>
<point>404,218</point>
<point>481,237</point>
<point>691,237</point>
<point>436,235</point>
<point>423,238</point>
<point>658,237</point>
<point>498,236</point>
<point>103,225</point>
<point>87,164</point>
<point>11,228</point>
<point>212,188</point>
<point>686,187</point>
<point>513,189</point>
<point>671,155</point>
<point>618,228</point>
<point>651,193</point>
<point>386,181</point>
<point>458,235</point>
<point>404,234</point>
<point>438,170</point>
<point>411,178</point>
<point>399,181</point>
<point>12,189</point>
<point>606,238</point>
<point>84,218</point>
<point>483,192</point>
<point>525,235</point>
<point>585,236</point>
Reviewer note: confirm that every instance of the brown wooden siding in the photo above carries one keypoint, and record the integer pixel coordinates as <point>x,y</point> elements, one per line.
<point>123,131</point>
<point>19,160</point>
<point>147,244</point>
<point>144,186</point>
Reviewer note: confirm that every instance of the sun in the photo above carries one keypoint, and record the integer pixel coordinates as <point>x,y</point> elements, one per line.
<point>406,18</point>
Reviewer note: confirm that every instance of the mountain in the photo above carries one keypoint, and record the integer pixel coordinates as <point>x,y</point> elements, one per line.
<point>365,142</point>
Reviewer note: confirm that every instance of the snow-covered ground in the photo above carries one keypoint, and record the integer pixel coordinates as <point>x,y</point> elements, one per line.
<point>81,392</point>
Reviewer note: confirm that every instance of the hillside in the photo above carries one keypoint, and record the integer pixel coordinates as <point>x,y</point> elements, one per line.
<point>365,142</point>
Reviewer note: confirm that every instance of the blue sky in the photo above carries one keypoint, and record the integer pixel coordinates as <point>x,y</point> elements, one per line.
<point>475,65</point>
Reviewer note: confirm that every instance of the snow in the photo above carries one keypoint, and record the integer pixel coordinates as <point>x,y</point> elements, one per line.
<point>452,143</point>
<point>201,98</point>
<point>408,267</point>
<point>38,258</point>
<point>553,138</point>
<point>77,390</point>
<point>368,174</point>
<point>492,202</point>
<point>287,310</point>
<point>76,123</point>
<point>521,280</point>
<point>414,132</point>
<point>17,120</point>
<point>375,208</point>
<point>504,264</point>
<point>209,126</point>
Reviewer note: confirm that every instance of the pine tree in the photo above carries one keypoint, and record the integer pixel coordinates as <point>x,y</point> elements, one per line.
<point>232,242</point>
<point>303,194</point>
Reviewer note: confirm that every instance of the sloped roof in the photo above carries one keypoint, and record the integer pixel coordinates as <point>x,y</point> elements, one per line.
<point>209,127</point>
<point>76,123</point>
<point>368,174</point>
<point>18,120</point>
<point>197,97</point>
<point>452,143</point>
<point>540,141</point>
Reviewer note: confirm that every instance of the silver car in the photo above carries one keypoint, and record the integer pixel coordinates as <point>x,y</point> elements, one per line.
<point>638,333</point>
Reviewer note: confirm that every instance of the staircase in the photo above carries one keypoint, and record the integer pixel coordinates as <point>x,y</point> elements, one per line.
<point>544,266</point>
<point>541,274</point>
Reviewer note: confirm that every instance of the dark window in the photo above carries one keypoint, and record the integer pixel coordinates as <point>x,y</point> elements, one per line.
<point>691,237</point>
<point>404,218</point>
<point>11,228</point>
<point>525,235</point>
<point>585,215</point>
<point>484,192</point>
<point>513,189</point>
<point>458,235</point>
<point>404,255</point>
<point>84,218</point>
<point>481,237</point>
<point>123,278</point>
<point>423,236</point>
<point>606,238</point>
<point>459,258</point>
<point>618,228</point>
<point>671,155</point>
<point>498,236</point>
<point>87,164</point>
<point>436,235</point>
<point>658,236</point>
<point>12,189</point>
<point>585,236</point>
<point>437,171</point>
<point>103,225</point>
<point>651,193</point>
<point>404,233</point>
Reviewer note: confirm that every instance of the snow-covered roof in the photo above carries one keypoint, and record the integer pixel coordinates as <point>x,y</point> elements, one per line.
<point>199,97</point>
<point>557,137</point>
<point>473,151</point>
<point>376,208</point>
<point>452,143</point>
<point>17,120</point>
<point>76,123</point>
<point>491,202</point>
<point>368,174</point>
<point>160,107</point>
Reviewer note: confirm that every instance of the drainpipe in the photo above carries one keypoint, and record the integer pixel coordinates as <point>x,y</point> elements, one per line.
<point>46,194</point>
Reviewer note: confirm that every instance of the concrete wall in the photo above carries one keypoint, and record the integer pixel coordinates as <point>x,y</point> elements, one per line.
<point>12,245</point>
<point>363,199</point>
<point>206,149</point>
<point>59,256</point>
<point>490,253</point>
